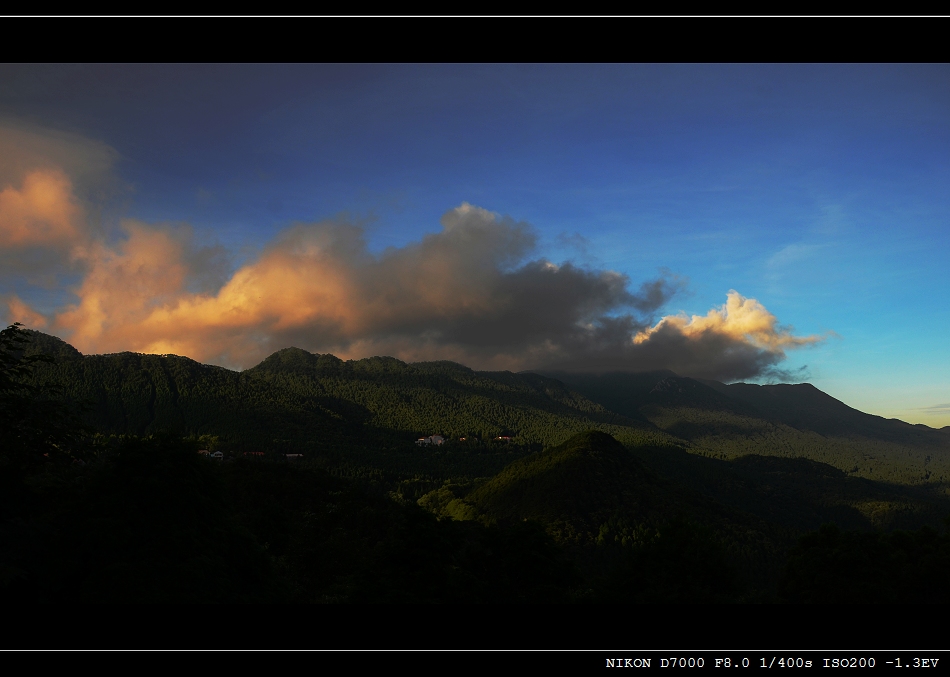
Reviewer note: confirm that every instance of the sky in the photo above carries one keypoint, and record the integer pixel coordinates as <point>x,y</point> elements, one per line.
<point>760,223</point>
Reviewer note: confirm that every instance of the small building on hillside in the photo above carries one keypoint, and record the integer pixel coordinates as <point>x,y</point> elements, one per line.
<point>431,439</point>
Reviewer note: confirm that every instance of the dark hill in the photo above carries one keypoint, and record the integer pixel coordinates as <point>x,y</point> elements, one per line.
<point>296,399</point>
<point>588,482</point>
<point>136,394</point>
<point>44,344</point>
<point>296,360</point>
<point>594,496</point>
<point>578,484</point>
<point>805,407</point>
<point>622,392</point>
<point>446,398</point>
<point>679,392</point>
<point>729,421</point>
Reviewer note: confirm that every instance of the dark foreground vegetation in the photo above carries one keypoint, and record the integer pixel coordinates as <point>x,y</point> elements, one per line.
<point>93,512</point>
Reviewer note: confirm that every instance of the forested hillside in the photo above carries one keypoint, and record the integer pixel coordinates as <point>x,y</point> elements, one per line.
<point>447,398</point>
<point>361,417</point>
<point>296,398</point>
<point>135,394</point>
<point>607,506</point>
<point>676,491</point>
<point>789,421</point>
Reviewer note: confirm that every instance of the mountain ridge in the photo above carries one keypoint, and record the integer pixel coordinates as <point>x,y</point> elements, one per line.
<point>364,416</point>
<point>744,393</point>
<point>321,403</point>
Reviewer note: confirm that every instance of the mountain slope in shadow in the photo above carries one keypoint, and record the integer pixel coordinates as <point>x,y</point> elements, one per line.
<point>605,504</point>
<point>786,420</point>
<point>590,481</point>
<point>447,398</point>
<point>136,394</point>
<point>805,407</point>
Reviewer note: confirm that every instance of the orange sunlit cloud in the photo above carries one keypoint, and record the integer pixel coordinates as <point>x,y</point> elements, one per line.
<point>123,286</point>
<point>316,279</point>
<point>467,293</point>
<point>24,314</point>
<point>50,183</point>
<point>42,212</point>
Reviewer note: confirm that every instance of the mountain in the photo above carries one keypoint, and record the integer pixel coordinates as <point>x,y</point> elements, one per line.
<point>366,414</point>
<point>729,421</point>
<point>604,503</point>
<point>578,487</point>
<point>295,398</point>
<point>804,407</point>
<point>600,461</point>
<point>578,484</point>
<point>136,394</point>
<point>447,398</point>
<point>622,392</point>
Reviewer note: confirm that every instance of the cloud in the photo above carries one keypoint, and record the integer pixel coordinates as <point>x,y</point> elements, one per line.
<point>465,293</point>
<point>18,311</point>
<point>475,292</point>
<point>470,293</point>
<point>52,188</point>
<point>128,284</point>
<point>42,212</point>
<point>26,148</point>
<point>738,318</point>
<point>43,231</point>
<point>740,339</point>
<point>936,409</point>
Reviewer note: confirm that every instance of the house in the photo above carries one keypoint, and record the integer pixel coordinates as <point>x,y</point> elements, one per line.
<point>204,452</point>
<point>293,457</point>
<point>432,439</point>
<point>218,455</point>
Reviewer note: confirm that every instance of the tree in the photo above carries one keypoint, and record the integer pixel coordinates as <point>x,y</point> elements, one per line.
<point>681,562</point>
<point>36,426</point>
<point>833,566</point>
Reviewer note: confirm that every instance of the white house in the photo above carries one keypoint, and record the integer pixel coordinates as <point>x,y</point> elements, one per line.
<point>432,439</point>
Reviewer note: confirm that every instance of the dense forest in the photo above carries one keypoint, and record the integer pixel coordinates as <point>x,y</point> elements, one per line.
<point>547,487</point>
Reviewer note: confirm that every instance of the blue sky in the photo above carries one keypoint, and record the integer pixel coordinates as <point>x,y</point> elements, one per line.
<point>820,191</point>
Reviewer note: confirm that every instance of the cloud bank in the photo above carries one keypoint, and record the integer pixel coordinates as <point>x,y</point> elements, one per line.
<point>52,187</point>
<point>475,292</point>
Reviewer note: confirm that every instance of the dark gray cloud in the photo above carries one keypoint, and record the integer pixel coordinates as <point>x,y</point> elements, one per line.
<point>468,294</point>
<point>475,292</point>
